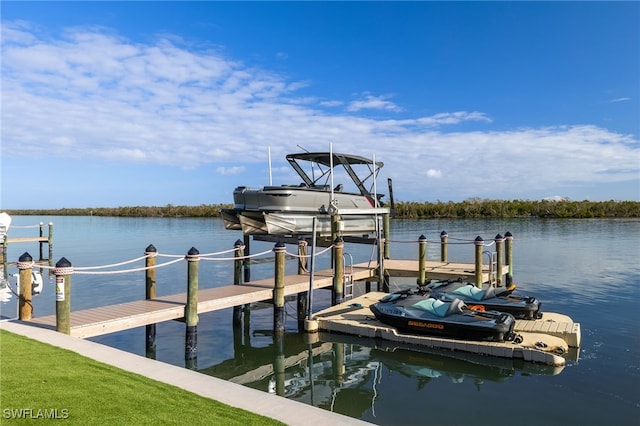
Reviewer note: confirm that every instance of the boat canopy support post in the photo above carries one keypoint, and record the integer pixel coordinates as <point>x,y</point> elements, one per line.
<point>191,309</point>
<point>278,292</point>
<point>63,271</point>
<point>25,308</point>
<point>479,243</point>
<point>508,255</point>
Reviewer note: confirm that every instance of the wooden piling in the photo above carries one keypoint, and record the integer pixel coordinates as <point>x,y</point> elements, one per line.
<point>25,307</point>
<point>387,235</point>
<point>422,259</point>
<point>479,243</point>
<point>508,253</point>
<point>499,246</point>
<point>191,308</point>
<point>238,264</point>
<point>338,272</point>
<point>150,271</point>
<point>63,271</point>
<point>302,297</point>
<point>150,293</point>
<point>278,291</point>
<point>444,255</point>
<point>247,262</point>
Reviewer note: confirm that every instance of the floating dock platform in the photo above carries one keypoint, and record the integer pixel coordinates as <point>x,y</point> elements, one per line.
<point>544,341</point>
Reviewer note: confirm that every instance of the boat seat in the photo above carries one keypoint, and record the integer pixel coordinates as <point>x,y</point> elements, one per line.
<point>470,291</point>
<point>455,307</point>
<point>433,306</point>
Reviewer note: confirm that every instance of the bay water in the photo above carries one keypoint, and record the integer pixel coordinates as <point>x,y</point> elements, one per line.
<point>586,269</point>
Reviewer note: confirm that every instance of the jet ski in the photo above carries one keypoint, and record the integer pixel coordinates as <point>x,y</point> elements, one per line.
<point>423,314</point>
<point>488,298</point>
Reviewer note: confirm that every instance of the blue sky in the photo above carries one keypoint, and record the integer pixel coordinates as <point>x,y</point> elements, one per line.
<point>109,104</point>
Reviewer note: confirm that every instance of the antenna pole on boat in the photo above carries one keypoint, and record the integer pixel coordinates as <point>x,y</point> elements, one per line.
<point>269,156</point>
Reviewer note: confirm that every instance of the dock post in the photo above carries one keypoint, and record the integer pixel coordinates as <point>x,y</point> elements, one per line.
<point>150,293</point>
<point>237,278</point>
<point>508,254</point>
<point>278,291</point>
<point>50,237</point>
<point>444,256</point>
<point>40,243</point>
<point>387,235</point>
<point>422,258</point>
<point>479,243</point>
<point>25,308</point>
<point>247,262</point>
<point>191,309</point>
<point>499,245</point>
<point>338,272</point>
<point>63,271</point>
<point>304,295</point>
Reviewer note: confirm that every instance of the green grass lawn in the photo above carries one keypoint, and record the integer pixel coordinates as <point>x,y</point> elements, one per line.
<point>55,382</point>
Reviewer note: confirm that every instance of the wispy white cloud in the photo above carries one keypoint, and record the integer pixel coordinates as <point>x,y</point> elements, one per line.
<point>92,94</point>
<point>619,100</point>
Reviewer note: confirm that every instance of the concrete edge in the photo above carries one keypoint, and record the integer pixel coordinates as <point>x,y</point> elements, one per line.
<point>268,405</point>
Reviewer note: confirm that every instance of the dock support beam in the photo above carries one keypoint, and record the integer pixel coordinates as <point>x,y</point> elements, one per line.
<point>150,293</point>
<point>237,278</point>
<point>479,243</point>
<point>25,308</point>
<point>444,256</point>
<point>191,309</point>
<point>499,246</point>
<point>278,291</point>
<point>63,271</point>
<point>508,254</point>
<point>422,259</point>
<point>338,272</point>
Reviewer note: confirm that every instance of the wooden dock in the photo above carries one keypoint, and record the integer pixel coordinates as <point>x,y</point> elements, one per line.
<point>108,319</point>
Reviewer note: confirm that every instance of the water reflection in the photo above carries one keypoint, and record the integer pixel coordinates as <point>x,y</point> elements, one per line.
<point>343,373</point>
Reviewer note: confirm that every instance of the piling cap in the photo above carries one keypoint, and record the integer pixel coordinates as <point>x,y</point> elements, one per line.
<point>151,249</point>
<point>63,263</point>
<point>422,238</point>
<point>508,234</point>
<point>338,240</point>
<point>193,252</point>
<point>443,234</point>
<point>26,257</point>
<point>479,240</point>
<point>238,243</point>
<point>279,246</point>
<point>498,237</point>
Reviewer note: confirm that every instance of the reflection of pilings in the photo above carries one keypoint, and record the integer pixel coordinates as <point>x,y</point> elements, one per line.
<point>237,278</point>
<point>278,291</point>
<point>338,361</point>
<point>191,310</point>
<point>150,278</point>
<point>279,362</point>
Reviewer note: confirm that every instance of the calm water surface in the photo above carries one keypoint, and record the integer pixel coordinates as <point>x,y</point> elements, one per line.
<point>587,269</point>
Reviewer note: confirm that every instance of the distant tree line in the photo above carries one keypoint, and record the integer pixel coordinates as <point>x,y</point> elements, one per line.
<point>471,208</point>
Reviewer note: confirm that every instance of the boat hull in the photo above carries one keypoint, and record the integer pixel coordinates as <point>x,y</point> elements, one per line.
<point>467,325</point>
